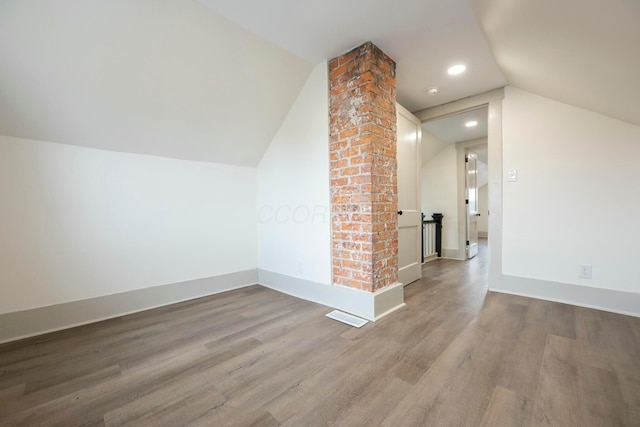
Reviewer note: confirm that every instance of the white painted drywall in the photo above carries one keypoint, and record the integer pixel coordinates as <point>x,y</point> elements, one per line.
<point>483,207</point>
<point>431,145</point>
<point>576,199</point>
<point>294,224</point>
<point>168,78</point>
<point>79,222</point>
<point>483,173</point>
<point>439,188</point>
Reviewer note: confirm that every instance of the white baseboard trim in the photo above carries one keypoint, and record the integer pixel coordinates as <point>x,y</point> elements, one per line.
<point>615,301</point>
<point>370,306</point>
<point>37,321</point>
<point>430,258</point>
<point>453,254</point>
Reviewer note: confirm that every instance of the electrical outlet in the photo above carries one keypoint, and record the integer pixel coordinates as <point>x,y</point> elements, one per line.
<point>299,266</point>
<point>584,271</point>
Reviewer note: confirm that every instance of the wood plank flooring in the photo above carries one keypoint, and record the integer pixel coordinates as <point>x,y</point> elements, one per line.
<point>455,356</point>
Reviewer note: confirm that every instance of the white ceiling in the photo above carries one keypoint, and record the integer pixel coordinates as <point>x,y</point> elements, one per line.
<point>452,128</point>
<point>431,146</point>
<point>436,134</point>
<point>167,78</point>
<point>178,79</point>
<point>424,37</point>
<point>582,52</point>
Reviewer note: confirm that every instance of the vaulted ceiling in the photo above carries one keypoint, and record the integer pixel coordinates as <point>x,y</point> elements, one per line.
<point>452,129</point>
<point>581,52</point>
<point>424,37</point>
<point>212,80</point>
<point>167,78</point>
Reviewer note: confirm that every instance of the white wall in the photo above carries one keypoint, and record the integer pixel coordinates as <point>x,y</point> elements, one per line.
<point>79,222</point>
<point>294,226</point>
<point>483,207</point>
<point>483,173</point>
<point>431,145</point>
<point>439,187</point>
<point>576,199</point>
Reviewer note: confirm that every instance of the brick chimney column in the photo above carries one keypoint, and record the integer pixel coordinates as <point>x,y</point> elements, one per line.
<point>364,195</point>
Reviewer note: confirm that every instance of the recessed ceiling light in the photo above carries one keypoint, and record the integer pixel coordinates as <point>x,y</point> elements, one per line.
<point>471,124</point>
<point>432,91</point>
<point>456,69</point>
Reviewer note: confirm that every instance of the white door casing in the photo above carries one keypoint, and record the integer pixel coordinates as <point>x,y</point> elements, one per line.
<point>409,215</point>
<point>494,138</point>
<point>471,194</point>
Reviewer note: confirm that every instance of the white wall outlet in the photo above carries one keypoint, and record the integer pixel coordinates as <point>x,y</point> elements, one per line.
<point>299,268</point>
<point>512,175</point>
<point>584,271</point>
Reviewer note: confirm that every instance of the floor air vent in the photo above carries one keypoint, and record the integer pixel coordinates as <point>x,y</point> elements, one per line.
<point>346,318</point>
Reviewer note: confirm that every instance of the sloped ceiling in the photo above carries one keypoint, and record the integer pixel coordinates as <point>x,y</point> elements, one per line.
<point>212,80</point>
<point>424,37</point>
<point>436,134</point>
<point>452,129</point>
<point>581,52</point>
<point>169,78</point>
<point>431,146</point>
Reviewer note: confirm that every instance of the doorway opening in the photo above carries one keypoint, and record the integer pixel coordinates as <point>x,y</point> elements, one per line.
<point>492,101</point>
<point>454,182</point>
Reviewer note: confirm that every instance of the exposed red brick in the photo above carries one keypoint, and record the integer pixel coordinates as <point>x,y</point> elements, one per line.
<point>362,127</point>
<point>351,172</point>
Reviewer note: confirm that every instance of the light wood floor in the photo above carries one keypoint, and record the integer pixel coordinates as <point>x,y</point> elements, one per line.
<point>454,356</point>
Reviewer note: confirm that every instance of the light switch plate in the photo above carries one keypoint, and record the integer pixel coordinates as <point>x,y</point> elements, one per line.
<point>512,175</point>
